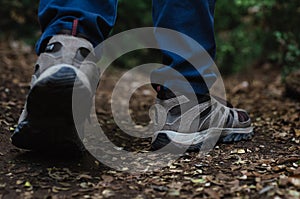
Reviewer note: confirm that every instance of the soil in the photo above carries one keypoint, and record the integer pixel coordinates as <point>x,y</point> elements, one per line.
<point>268,166</point>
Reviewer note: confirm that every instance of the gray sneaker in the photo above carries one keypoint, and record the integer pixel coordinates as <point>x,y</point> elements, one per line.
<point>183,124</point>
<point>61,72</point>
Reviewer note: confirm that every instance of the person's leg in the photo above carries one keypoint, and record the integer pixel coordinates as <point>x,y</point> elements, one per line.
<point>195,19</point>
<point>185,122</point>
<point>64,81</point>
<point>92,19</point>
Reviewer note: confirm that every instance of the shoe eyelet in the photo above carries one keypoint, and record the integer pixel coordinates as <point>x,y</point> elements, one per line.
<point>53,47</point>
<point>82,54</point>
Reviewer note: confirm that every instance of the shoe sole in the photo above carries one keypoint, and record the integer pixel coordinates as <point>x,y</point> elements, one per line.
<point>49,125</point>
<point>193,142</point>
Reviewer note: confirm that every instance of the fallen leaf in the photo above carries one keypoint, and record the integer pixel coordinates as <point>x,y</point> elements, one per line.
<point>107,178</point>
<point>243,86</point>
<point>294,193</point>
<point>243,177</point>
<point>174,192</point>
<point>265,190</point>
<point>295,180</point>
<point>160,188</point>
<point>297,171</point>
<point>27,184</point>
<point>84,176</point>
<point>297,132</point>
<point>56,189</point>
<point>199,181</point>
<point>107,193</point>
<point>84,185</point>
<point>19,182</point>
<point>212,193</point>
<point>241,151</point>
<point>2,185</point>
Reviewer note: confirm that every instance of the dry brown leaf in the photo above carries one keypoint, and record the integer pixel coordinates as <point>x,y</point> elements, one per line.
<point>84,176</point>
<point>294,180</point>
<point>108,193</point>
<point>107,178</point>
<point>297,132</point>
<point>297,171</point>
<point>212,193</point>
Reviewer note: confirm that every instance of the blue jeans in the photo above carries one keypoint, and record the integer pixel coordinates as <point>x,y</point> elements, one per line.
<point>191,17</point>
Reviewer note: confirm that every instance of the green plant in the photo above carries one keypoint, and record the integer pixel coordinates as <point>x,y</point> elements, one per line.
<point>289,52</point>
<point>19,19</point>
<point>259,30</point>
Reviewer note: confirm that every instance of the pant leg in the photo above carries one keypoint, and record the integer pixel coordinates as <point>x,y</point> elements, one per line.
<point>95,18</point>
<point>195,19</point>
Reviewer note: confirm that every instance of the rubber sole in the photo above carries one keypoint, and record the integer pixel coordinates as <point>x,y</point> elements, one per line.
<point>193,142</point>
<point>49,125</point>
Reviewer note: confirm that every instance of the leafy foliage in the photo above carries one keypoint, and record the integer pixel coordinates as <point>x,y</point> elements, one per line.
<point>133,14</point>
<point>258,30</point>
<point>19,19</point>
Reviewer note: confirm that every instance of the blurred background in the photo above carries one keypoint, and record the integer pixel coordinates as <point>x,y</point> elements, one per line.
<point>250,33</point>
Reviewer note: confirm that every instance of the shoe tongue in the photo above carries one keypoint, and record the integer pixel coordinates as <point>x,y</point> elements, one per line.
<point>223,101</point>
<point>164,93</point>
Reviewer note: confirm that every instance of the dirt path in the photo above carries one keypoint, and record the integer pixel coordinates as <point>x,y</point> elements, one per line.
<point>268,166</point>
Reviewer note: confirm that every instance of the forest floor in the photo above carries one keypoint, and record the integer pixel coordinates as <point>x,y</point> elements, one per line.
<point>268,166</point>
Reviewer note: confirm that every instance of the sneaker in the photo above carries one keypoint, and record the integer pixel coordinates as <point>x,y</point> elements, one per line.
<point>61,71</point>
<point>184,125</point>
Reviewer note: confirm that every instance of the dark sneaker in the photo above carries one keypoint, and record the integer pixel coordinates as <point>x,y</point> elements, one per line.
<point>63,82</point>
<point>186,125</point>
